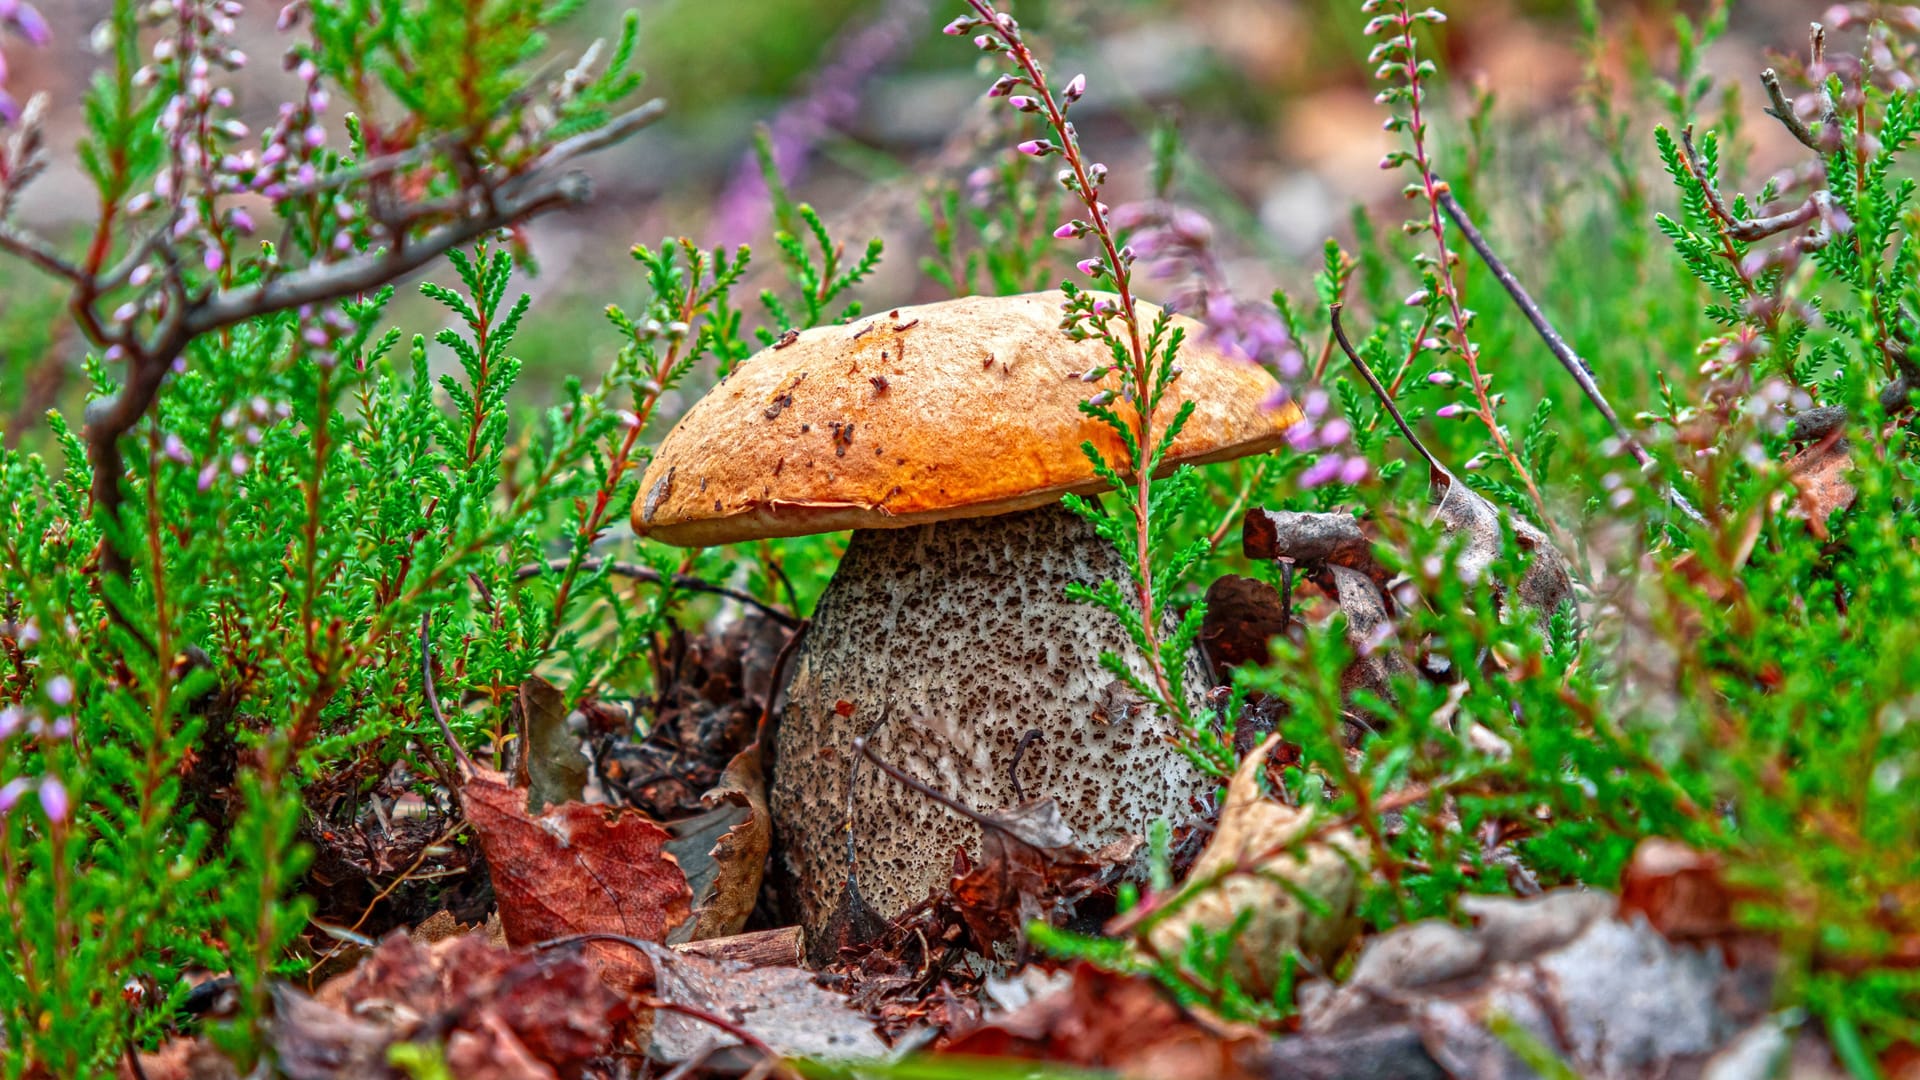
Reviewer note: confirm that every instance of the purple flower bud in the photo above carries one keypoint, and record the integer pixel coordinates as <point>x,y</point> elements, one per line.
<point>1036,147</point>
<point>175,450</point>
<point>12,719</point>
<point>10,794</point>
<point>1441,378</point>
<point>1416,298</point>
<point>22,17</point>
<point>61,728</point>
<point>53,799</point>
<point>207,475</point>
<point>1322,471</point>
<point>1354,471</point>
<point>238,464</point>
<point>960,25</point>
<point>60,690</point>
<point>214,260</point>
<point>1024,103</point>
<point>985,41</point>
<point>241,221</point>
<point>125,313</point>
<point>1091,267</point>
<point>1076,88</point>
<point>1335,431</point>
<point>1447,412</point>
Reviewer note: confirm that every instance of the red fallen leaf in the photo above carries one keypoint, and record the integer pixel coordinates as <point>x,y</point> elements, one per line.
<point>578,869</point>
<point>1682,892</point>
<point>504,1015</point>
<point>1115,1022</point>
<point>1027,863</point>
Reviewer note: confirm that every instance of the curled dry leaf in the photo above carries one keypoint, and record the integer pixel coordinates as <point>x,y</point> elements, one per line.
<point>578,869</point>
<point>551,764</point>
<point>1028,866</point>
<point>724,851</point>
<point>1543,586</point>
<point>1274,889</point>
<point>1117,1022</point>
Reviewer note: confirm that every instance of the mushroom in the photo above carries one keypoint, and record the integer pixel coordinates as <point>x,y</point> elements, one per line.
<point>944,435</point>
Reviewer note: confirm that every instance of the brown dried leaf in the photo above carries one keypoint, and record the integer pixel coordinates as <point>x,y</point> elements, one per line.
<point>1683,893</point>
<point>1243,616</point>
<point>1544,585</point>
<point>1027,860</point>
<point>502,1015</point>
<point>781,1006</point>
<point>1820,472</point>
<point>578,869</point>
<point>1117,1022</point>
<point>1369,631</point>
<point>551,763</point>
<point>1281,922</point>
<point>727,871</point>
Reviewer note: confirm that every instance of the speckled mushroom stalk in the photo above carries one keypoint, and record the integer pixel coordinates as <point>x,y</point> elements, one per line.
<point>945,435</point>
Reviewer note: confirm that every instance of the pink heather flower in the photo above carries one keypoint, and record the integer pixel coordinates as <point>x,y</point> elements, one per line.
<point>53,799</point>
<point>1441,378</point>
<point>1024,103</point>
<point>60,690</point>
<point>12,719</point>
<point>207,475</point>
<point>1076,88</point>
<point>1036,147</point>
<point>959,26</point>
<point>1068,231</point>
<point>214,260</point>
<point>1447,412</point>
<point>26,21</point>
<point>1354,471</point>
<point>10,795</point>
<point>238,464</point>
<point>1335,431</point>
<point>175,450</point>
<point>1323,471</point>
<point>984,41</point>
<point>1091,267</point>
<point>1416,298</point>
<point>241,221</point>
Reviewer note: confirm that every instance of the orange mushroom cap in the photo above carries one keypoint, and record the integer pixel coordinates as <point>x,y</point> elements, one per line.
<point>963,408</point>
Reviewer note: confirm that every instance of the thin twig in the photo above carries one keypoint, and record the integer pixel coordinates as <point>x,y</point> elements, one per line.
<point>433,696</point>
<point>1380,392</point>
<point>985,821</point>
<point>654,577</point>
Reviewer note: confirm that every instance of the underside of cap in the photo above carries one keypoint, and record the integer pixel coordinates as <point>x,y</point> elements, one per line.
<point>964,408</point>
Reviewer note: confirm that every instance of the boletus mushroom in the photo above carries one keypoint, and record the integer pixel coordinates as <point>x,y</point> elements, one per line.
<point>944,435</point>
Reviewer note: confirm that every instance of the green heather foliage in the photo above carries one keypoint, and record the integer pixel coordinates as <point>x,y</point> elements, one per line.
<point>318,503</point>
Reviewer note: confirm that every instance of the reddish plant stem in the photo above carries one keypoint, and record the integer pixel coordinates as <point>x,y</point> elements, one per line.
<point>1140,364</point>
<point>1433,190</point>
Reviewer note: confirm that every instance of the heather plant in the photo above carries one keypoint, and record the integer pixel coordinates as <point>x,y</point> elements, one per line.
<point>1746,524</point>
<point>217,596</point>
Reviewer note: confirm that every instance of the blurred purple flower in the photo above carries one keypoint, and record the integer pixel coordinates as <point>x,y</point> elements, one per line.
<point>53,798</point>
<point>60,690</point>
<point>831,100</point>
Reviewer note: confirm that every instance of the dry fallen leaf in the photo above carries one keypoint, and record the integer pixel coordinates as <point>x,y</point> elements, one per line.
<point>1820,472</point>
<point>551,763</point>
<point>781,1006</point>
<point>1117,1022</point>
<point>1281,922</point>
<point>1543,586</point>
<point>724,871</point>
<point>578,869</point>
<point>1028,863</point>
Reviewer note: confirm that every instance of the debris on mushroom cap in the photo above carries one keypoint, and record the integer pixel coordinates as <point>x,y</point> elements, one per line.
<point>772,451</point>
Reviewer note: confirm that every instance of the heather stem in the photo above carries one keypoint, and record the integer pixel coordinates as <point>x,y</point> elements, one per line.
<point>1140,373</point>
